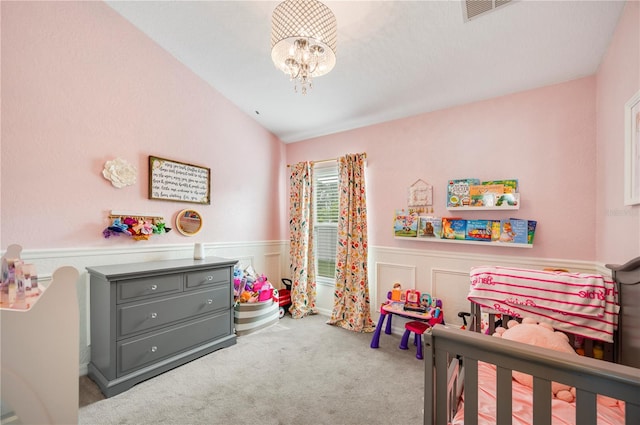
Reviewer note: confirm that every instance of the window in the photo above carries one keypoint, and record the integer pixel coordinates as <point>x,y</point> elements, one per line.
<point>326,199</point>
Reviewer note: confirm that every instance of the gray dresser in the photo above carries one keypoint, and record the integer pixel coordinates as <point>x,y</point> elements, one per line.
<point>147,318</point>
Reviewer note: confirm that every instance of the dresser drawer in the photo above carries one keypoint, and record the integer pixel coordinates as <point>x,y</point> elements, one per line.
<point>202,278</point>
<point>139,352</point>
<point>141,316</point>
<point>129,290</point>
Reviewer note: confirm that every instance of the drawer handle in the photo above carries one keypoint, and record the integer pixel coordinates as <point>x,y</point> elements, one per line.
<point>154,287</point>
<point>154,349</point>
<point>209,301</point>
<point>209,278</point>
<point>153,315</point>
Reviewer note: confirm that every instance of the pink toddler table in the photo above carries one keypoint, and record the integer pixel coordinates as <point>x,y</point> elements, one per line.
<point>389,309</point>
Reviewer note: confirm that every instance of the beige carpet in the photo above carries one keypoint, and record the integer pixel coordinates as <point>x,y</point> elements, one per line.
<point>294,372</point>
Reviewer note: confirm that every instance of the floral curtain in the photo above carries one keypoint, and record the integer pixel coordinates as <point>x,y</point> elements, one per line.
<point>351,296</point>
<point>301,251</point>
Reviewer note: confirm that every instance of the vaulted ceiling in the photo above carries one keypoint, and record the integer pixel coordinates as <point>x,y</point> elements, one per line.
<point>394,58</point>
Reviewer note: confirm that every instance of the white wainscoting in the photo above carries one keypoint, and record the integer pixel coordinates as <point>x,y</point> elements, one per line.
<point>445,275</point>
<point>268,257</point>
<point>387,274</point>
<point>451,286</point>
<point>273,263</point>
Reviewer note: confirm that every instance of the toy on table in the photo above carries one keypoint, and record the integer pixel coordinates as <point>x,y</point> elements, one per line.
<point>413,301</point>
<point>396,293</point>
<point>425,300</point>
<point>436,305</point>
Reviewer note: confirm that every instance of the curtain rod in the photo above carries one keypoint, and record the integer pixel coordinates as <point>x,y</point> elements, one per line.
<point>326,160</point>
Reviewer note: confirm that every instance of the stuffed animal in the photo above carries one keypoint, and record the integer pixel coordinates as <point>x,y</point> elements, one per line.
<point>543,335</point>
<point>245,297</point>
<point>540,335</point>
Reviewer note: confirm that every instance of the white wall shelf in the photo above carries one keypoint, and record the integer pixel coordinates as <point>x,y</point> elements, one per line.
<point>502,208</point>
<point>467,242</point>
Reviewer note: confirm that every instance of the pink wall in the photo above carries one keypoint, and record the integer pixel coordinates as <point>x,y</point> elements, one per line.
<point>618,79</point>
<point>81,86</point>
<point>545,138</point>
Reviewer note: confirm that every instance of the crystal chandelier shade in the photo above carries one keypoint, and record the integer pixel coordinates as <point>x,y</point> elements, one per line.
<point>303,40</point>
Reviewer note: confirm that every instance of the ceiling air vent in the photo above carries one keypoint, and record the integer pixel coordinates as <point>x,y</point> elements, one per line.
<point>475,8</point>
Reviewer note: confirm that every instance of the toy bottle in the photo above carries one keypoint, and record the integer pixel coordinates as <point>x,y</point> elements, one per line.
<point>33,277</point>
<point>8,275</point>
<point>13,292</point>
<point>20,289</point>
<point>598,351</point>
<point>578,345</point>
<point>9,279</point>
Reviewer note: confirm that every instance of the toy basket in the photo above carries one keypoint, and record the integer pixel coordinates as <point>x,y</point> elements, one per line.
<point>250,317</point>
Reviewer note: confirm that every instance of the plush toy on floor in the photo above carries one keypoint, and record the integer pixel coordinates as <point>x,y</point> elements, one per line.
<point>540,335</point>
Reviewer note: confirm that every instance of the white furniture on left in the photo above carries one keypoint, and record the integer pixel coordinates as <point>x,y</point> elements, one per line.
<point>39,354</point>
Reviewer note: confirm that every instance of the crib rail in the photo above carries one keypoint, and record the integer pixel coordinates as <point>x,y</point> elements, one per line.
<point>446,344</point>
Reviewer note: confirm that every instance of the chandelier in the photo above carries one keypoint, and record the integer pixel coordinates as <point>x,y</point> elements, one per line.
<point>303,41</point>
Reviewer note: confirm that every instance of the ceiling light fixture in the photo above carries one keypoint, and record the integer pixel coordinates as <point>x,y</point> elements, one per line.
<point>303,41</point>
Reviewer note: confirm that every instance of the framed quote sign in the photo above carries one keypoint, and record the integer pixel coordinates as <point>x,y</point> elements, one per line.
<point>176,181</point>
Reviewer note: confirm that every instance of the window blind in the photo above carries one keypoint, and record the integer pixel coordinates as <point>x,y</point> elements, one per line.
<point>326,199</point>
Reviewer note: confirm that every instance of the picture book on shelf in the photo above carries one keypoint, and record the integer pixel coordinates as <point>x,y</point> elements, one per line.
<point>495,230</point>
<point>430,227</point>
<point>510,186</point>
<point>405,224</point>
<point>531,230</point>
<point>514,230</point>
<point>479,230</point>
<point>485,195</point>
<point>458,192</point>
<point>507,199</point>
<point>481,189</point>
<point>454,228</point>
<point>485,200</point>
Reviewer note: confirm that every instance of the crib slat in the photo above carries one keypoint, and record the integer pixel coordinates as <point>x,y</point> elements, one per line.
<point>429,381</point>
<point>503,394</point>
<point>442,363</point>
<point>586,407</point>
<point>541,401</point>
<point>470,391</point>
<point>632,413</point>
<point>476,316</point>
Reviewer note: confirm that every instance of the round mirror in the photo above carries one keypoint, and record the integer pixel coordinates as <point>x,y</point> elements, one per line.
<point>189,222</point>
